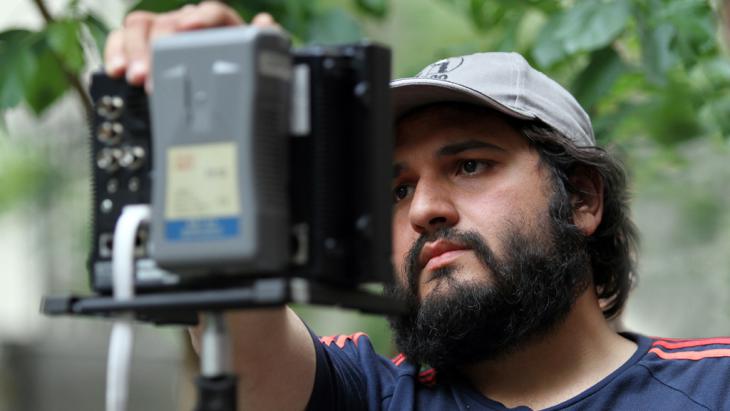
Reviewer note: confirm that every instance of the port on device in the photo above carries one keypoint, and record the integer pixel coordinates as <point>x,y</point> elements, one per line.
<point>110,107</point>
<point>106,243</point>
<point>110,132</point>
<point>107,159</point>
<point>132,157</point>
<point>141,242</point>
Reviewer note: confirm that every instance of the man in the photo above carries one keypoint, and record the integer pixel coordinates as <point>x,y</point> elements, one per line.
<point>512,247</point>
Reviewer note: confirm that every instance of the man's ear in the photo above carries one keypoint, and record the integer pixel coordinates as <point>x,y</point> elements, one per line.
<point>586,199</point>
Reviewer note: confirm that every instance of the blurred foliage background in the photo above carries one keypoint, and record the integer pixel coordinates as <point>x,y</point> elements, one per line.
<point>653,74</point>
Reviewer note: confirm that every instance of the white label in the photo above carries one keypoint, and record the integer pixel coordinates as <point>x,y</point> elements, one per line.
<point>202,181</point>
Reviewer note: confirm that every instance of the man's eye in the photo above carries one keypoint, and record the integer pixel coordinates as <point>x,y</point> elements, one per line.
<point>401,191</point>
<point>471,166</point>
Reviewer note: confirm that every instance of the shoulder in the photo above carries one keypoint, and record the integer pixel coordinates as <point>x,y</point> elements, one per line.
<point>696,367</point>
<point>352,375</point>
<point>689,360</point>
<point>700,350</point>
<point>356,347</point>
<point>356,350</point>
<point>360,352</point>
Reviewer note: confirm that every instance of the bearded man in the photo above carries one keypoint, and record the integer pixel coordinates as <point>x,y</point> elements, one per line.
<point>512,248</point>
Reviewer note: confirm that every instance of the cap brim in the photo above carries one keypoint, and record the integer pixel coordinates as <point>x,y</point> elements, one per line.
<point>411,93</point>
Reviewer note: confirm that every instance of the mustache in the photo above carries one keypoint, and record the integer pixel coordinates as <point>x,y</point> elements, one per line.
<point>468,239</point>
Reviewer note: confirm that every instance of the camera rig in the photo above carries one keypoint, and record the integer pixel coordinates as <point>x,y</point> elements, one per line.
<point>264,176</point>
<point>265,167</point>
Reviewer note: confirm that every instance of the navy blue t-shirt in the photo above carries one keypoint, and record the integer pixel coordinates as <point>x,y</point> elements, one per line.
<point>663,374</point>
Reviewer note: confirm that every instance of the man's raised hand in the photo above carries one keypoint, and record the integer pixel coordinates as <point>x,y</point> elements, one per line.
<point>127,51</point>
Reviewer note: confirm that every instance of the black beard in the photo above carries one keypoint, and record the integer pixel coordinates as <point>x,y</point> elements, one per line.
<point>530,292</point>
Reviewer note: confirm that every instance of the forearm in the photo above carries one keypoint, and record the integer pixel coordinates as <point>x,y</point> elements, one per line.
<point>273,357</point>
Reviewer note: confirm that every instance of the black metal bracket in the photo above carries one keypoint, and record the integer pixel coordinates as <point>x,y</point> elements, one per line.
<point>181,307</point>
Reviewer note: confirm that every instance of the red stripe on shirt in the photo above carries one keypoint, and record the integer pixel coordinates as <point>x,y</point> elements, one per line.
<point>672,344</point>
<point>427,377</point>
<point>341,340</point>
<point>427,373</point>
<point>396,360</point>
<point>690,355</point>
<point>327,340</point>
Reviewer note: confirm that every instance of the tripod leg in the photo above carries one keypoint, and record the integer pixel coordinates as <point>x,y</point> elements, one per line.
<point>216,386</point>
<point>216,393</point>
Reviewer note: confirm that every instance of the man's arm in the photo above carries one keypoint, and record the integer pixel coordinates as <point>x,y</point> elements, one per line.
<point>273,353</point>
<point>274,358</point>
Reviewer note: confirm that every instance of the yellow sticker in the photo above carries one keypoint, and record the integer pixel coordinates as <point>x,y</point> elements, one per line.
<point>202,181</point>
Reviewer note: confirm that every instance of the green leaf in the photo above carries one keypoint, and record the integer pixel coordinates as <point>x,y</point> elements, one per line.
<point>485,14</point>
<point>671,116</point>
<point>159,6</point>
<point>657,55</point>
<point>334,26</point>
<point>48,81</point>
<point>587,26</point>
<point>608,126</point>
<point>598,77</point>
<point>696,35</point>
<point>375,8</point>
<point>17,65</point>
<point>547,6</point>
<point>549,46</point>
<point>98,30</point>
<point>298,18</point>
<point>30,68</point>
<point>62,38</point>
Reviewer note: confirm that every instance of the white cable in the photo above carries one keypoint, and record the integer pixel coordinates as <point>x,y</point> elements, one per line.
<point>120,341</point>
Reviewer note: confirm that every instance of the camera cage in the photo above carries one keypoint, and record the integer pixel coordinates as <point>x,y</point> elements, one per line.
<point>339,150</point>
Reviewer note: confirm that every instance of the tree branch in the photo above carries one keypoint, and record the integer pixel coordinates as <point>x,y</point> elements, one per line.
<point>70,76</point>
<point>44,11</point>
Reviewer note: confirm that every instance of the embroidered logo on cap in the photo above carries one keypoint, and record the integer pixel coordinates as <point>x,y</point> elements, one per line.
<point>440,69</point>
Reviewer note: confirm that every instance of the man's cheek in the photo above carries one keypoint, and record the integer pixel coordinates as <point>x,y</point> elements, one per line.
<point>399,275</point>
<point>402,242</point>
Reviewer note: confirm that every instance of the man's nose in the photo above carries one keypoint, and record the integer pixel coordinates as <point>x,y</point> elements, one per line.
<point>431,208</point>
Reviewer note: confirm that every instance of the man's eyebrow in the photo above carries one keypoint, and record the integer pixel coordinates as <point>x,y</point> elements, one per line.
<point>456,148</point>
<point>397,169</point>
<point>453,149</point>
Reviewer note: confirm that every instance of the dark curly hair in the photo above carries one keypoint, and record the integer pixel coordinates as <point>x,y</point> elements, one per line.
<point>613,246</point>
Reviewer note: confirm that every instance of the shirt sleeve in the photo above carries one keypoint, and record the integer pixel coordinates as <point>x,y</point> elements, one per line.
<point>349,375</point>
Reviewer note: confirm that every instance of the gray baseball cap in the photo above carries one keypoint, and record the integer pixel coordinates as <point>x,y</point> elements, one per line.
<point>502,81</point>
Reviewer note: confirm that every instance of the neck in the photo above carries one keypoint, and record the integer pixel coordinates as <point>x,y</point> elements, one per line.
<point>583,350</point>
